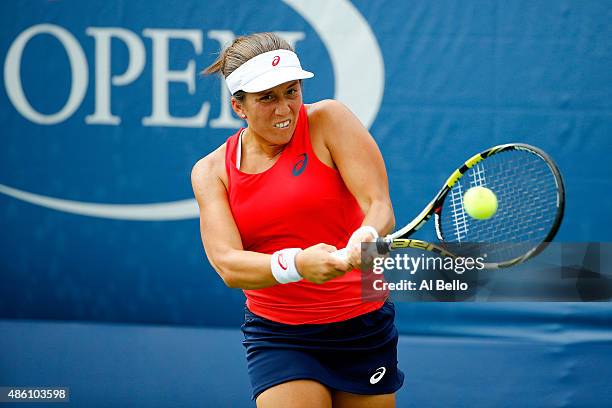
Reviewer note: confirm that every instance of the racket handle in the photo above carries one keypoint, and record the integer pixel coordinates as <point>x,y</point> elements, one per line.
<point>382,246</point>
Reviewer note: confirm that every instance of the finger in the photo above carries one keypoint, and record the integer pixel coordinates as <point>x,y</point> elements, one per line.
<point>367,259</point>
<point>341,261</point>
<point>328,248</point>
<point>355,254</point>
<point>341,254</point>
<point>329,275</point>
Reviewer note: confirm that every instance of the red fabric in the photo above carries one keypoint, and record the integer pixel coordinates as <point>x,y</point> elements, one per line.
<point>297,203</point>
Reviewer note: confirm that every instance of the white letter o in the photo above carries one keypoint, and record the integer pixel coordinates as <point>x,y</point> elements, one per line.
<point>78,67</point>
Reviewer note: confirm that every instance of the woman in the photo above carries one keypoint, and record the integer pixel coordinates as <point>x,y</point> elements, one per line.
<point>276,200</point>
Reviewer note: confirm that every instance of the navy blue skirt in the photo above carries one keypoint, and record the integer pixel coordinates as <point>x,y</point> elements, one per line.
<point>358,355</point>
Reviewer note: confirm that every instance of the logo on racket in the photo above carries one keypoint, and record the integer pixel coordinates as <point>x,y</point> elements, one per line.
<point>378,375</point>
<point>275,61</point>
<point>300,165</point>
<point>281,261</point>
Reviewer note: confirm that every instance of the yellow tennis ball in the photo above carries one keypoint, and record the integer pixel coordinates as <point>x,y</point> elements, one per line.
<point>480,203</point>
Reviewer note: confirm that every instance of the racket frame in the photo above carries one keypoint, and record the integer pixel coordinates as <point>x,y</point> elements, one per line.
<point>400,238</point>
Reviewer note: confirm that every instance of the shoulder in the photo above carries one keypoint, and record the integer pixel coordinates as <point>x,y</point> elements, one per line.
<point>326,112</point>
<point>328,119</point>
<point>210,168</point>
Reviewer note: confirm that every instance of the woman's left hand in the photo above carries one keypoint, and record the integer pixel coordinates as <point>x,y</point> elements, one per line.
<point>362,234</point>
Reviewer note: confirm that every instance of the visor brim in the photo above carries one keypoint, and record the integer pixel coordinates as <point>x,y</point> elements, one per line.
<point>275,77</point>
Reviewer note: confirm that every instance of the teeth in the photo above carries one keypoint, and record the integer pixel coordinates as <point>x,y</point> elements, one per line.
<point>282,124</point>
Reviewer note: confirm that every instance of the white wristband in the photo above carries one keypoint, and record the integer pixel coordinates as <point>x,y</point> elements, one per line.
<point>365,229</point>
<point>283,267</point>
<point>356,236</point>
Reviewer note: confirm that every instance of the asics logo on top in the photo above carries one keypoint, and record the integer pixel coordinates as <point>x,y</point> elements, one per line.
<point>378,375</point>
<point>300,165</point>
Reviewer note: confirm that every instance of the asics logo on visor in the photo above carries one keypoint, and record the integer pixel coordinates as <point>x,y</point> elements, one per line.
<point>264,71</point>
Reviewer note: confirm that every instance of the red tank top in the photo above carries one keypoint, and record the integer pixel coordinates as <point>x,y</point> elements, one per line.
<point>297,203</point>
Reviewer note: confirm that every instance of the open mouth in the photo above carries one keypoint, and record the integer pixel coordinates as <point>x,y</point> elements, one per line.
<point>283,125</point>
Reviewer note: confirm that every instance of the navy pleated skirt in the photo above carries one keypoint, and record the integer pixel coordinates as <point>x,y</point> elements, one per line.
<point>358,355</point>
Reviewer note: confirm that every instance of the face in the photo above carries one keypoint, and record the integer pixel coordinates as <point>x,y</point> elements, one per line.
<point>272,114</point>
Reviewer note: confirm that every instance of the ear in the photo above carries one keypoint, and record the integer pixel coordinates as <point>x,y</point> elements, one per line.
<point>237,107</point>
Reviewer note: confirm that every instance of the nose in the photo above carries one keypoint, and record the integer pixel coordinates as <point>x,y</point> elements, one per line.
<point>282,107</point>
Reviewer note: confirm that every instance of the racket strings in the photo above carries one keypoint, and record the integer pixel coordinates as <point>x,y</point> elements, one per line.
<point>527,198</point>
<point>460,220</point>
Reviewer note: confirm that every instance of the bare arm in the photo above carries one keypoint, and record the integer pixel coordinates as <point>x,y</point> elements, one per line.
<point>360,163</point>
<point>220,236</point>
<point>221,239</point>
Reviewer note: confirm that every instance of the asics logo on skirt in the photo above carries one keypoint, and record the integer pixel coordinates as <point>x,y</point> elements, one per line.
<point>378,375</point>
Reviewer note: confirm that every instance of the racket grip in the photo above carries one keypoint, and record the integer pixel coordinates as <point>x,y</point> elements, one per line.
<point>382,246</point>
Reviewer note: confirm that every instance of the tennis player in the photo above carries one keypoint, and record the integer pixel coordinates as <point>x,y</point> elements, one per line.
<point>276,200</point>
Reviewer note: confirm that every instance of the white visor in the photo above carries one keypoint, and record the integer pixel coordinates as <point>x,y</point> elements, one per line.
<point>265,71</point>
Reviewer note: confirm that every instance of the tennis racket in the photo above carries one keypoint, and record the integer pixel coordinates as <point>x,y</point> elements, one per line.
<point>531,201</point>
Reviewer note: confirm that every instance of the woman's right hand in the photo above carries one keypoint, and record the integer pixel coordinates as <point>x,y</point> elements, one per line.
<point>318,264</point>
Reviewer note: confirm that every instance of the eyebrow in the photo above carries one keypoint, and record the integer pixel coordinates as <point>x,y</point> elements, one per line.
<point>268,92</point>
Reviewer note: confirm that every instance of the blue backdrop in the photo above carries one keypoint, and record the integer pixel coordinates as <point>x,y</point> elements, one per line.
<point>103,114</point>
